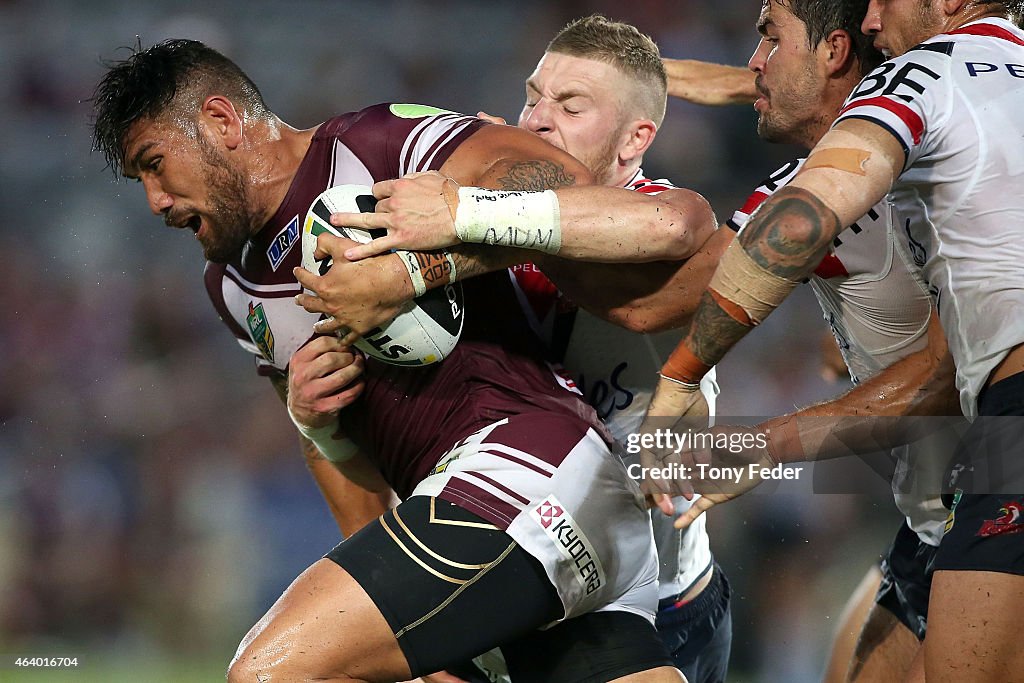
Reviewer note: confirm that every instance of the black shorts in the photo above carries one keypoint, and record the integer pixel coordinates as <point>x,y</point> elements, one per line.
<point>907,570</point>
<point>452,586</point>
<point>985,527</point>
<point>984,532</point>
<point>699,633</point>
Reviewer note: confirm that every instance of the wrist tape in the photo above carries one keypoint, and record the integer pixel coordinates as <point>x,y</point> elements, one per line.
<point>335,450</point>
<point>414,263</point>
<point>684,367</point>
<point>527,220</point>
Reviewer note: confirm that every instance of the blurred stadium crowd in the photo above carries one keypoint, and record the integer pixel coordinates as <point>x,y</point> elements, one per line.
<point>152,497</point>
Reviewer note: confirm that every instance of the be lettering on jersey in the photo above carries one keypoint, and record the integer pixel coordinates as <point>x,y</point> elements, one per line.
<point>571,542</point>
<point>885,96</point>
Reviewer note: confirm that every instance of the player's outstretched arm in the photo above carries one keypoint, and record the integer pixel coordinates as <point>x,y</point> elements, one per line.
<point>897,405</point>
<point>506,203</point>
<point>651,298</point>
<point>494,156</point>
<point>591,223</point>
<point>852,167</point>
<point>710,84</point>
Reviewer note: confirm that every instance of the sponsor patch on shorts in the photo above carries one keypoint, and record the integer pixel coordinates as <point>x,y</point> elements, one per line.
<point>571,542</point>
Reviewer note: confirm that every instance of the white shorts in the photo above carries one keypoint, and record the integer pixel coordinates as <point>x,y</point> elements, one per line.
<point>552,484</point>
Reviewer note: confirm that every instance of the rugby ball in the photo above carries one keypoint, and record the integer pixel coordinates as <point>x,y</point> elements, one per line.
<point>427,329</point>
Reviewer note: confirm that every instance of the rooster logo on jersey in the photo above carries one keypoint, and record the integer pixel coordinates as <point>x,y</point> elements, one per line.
<point>259,330</point>
<point>1008,522</point>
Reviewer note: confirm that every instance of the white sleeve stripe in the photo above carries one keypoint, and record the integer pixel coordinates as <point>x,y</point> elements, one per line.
<point>255,289</point>
<point>424,136</point>
<point>424,165</point>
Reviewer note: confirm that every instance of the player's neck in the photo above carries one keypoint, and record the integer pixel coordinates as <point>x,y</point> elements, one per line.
<point>833,102</point>
<point>277,162</point>
<point>619,175</point>
<point>982,11</point>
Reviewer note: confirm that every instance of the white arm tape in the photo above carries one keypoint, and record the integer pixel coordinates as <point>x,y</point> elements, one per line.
<point>527,220</point>
<point>335,450</point>
<point>412,265</point>
<point>419,285</point>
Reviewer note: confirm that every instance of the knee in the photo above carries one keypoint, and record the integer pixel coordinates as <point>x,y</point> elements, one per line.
<point>243,667</point>
<point>255,662</point>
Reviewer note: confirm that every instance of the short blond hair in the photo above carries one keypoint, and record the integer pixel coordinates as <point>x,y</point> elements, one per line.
<point>623,46</point>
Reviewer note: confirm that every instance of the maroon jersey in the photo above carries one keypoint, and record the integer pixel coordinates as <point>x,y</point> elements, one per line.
<point>407,417</point>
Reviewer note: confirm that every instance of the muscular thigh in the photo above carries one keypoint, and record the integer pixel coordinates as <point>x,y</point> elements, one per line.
<point>323,625</point>
<point>448,584</point>
<point>885,650</point>
<point>977,596</point>
<point>974,627</point>
<point>851,625</point>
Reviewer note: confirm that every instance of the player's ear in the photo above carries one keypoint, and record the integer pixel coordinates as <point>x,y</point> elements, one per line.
<point>952,7</point>
<point>838,47</point>
<point>222,120</point>
<point>640,136</point>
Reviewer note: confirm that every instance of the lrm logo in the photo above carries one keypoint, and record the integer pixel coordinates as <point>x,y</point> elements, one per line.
<point>571,542</point>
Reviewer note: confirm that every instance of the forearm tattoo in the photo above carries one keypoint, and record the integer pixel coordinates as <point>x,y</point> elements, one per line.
<point>788,236</point>
<point>434,267</point>
<point>791,233</point>
<point>713,331</point>
<point>535,176</point>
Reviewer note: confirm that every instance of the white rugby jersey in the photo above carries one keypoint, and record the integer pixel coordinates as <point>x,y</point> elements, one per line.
<point>616,371</point>
<point>955,103</point>
<point>876,305</point>
<point>878,309</point>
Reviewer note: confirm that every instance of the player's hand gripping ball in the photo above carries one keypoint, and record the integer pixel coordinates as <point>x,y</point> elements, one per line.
<point>427,329</point>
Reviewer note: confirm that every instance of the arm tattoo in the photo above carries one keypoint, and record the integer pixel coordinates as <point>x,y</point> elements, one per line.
<point>477,259</point>
<point>788,236</point>
<point>713,331</point>
<point>434,268</point>
<point>535,176</point>
<point>791,233</point>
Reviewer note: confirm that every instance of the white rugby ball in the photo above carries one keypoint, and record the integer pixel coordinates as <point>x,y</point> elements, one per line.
<point>427,329</point>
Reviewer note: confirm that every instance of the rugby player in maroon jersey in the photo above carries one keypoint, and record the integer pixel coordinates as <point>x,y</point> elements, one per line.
<point>517,516</point>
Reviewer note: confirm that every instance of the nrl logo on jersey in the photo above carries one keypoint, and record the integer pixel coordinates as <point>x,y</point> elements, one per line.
<point>283,243</point>
<point>259,330</point>
<point>571,542</point>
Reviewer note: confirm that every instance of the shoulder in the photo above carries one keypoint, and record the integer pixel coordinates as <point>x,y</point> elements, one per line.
<point>769,186</point>
<point>517,155</point>
<point>392,118</point>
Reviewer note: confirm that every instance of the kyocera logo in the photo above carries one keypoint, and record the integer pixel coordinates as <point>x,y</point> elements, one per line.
<point>571,542</point>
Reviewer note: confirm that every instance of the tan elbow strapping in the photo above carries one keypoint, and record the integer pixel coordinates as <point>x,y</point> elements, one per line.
<point>744,284</point>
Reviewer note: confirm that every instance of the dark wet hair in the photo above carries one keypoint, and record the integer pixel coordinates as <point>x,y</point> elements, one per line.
<point>171,77</point>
